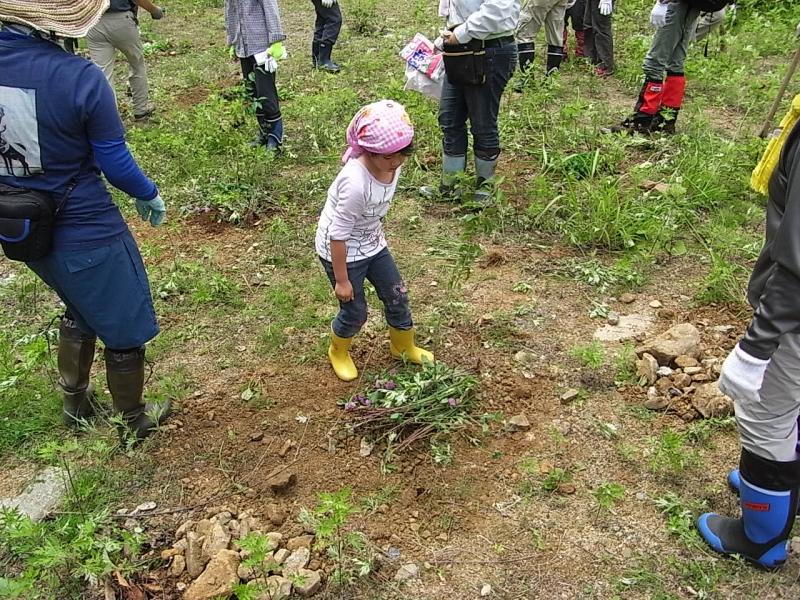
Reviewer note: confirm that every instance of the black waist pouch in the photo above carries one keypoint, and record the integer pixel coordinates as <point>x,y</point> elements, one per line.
<point>26,223</point>
<point>465,64</point>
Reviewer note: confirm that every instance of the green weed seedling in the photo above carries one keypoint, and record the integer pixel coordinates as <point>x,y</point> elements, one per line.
<point>258,548</point>
<point>591,355</point>
<point>607,495</point>
<point>680,519</point>
<point>384,496</point>
<point>671,456</point>
<point>555,478</point>
<point>345,547</point>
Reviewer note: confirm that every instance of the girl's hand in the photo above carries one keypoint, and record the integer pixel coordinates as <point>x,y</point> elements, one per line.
<point>344,291</point>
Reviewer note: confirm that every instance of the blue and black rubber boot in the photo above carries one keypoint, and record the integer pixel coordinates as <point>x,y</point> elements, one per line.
<point>768,497</point>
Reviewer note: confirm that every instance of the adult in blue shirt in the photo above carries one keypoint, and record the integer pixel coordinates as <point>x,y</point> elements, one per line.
<point>59,130</point>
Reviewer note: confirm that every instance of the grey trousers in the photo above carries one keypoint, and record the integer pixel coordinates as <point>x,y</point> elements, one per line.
<point>668,49</point>
<point>534,14</point>
<point>707,23</point>
<point>119,31</point>
<point>599,41</point>
<point>768,426</point>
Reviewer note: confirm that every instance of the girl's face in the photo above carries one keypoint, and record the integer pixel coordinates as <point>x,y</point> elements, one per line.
<point>388,163</point>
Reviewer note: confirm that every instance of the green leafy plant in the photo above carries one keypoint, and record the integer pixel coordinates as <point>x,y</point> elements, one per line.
<point>671,456</point>
<point>591,355</point>
<point>347,548</point>
<point>607,495</point>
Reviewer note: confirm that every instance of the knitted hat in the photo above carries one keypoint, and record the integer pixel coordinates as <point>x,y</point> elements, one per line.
<point>67,18</point>
<point>382,127</point>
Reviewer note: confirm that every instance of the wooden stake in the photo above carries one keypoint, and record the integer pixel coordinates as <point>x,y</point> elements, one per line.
<point>776,104</point>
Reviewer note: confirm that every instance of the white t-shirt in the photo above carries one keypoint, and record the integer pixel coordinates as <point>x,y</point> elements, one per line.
<point>353,212</point>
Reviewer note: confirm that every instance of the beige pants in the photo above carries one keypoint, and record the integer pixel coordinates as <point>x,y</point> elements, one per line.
<point>118,31</point>
<point>534,13</point>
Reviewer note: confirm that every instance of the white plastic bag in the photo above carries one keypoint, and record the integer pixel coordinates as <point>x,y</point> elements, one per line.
<point>419,82</point>
<point>424,67</point>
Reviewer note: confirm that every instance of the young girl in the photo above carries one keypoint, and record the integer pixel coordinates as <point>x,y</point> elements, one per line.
<point>350,240</point>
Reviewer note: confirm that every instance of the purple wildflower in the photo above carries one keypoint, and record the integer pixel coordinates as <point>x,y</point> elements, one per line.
<point>453,402</point>
<point>389,385</point>
<point>350,405</point>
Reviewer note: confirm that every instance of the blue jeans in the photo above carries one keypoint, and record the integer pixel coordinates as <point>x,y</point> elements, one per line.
<point>105,290</point>
<point>478,103</point>
<point>381,271</point>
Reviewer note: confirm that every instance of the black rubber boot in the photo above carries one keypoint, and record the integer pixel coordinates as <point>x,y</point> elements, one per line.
<point>637,123</point>
<point>125,374</point>
<point>75,357</point>
<point>525,54</point>
<point>665,122</point>
<point>555,54</point>
<point>314,54</point>
<point>261,137</point>
<point>324,61</point>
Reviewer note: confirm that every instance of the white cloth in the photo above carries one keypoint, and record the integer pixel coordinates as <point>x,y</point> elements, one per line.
<point>480,19</point>
<point>606,7</point>
<point>353,212</point>
<point>658,16</point>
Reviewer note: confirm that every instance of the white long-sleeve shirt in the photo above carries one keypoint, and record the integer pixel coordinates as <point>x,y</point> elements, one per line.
<point>481,19</point>
<point>354,211</point>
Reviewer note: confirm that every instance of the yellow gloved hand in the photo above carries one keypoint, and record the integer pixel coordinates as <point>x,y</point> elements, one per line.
<point>759,180</point>
<point>278,51</point>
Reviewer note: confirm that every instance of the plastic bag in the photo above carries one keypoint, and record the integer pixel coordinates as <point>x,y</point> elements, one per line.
<point>419,82</point>
<point>424,67</point>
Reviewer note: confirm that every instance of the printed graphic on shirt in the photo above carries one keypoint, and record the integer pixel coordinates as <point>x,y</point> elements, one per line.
<point>19,133</point>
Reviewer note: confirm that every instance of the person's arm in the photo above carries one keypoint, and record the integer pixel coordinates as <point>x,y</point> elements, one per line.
<point>778,311</point>
<point>343,288</point>
<point>493,17</point>
<point>349,207</point>
<point>118,165</point>
<point>155,11</point>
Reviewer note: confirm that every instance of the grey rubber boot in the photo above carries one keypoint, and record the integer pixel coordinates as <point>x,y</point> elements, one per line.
<point>75,357</point>
<point>484,171</point>
<point>125,375</point>
<point>452,168</point>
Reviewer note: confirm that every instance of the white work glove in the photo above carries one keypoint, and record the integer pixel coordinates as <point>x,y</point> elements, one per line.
<point>328,3</point>
<point>658,16</point>
<point>268,60</point>
<point>152,210</point>
<point>606,7</point>
<point>742,376</point>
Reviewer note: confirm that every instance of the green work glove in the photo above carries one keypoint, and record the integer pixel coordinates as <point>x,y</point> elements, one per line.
<point>152,210</point>
<point>277,51</point>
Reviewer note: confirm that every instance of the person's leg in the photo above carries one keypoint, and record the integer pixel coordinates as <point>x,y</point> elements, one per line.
<point>76,346</point>
<point>588,23</point>
<point>579,26</point>
<point>483,105</point>
<point>453,123</point>
<point>391,289</point>
<point>675,82</point>
<point>530,22</point>
<point>268,111</point>
<point>603,42</point>
<point>127,39</point>
<point>350,319</point>
<point>333,24</point>
<point>769,475</point>
<point>319,27</point>
<point>101,49</point>
<point>554,32</point>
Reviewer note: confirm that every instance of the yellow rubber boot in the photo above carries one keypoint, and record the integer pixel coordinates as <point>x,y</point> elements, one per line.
<point>339,355</point>
<point>759,180</point>
<point>402,345</point>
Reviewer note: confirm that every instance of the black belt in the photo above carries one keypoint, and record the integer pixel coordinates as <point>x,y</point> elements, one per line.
<point>501,41</point>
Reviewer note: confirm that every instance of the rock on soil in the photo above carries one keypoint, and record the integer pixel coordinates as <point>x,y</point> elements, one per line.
<point>407,572</point>
<point>519,423</point>
<point>178,566</point>
<point>219,578</point>
<point>277,588</point>
<point>297,560</point>
<point>282,482</point>
<point>683,339</point>
<point>647,368</point>
<point>307,583</point>
<point>302,541</point>
<point>710,402</point>
<point>195,562</point>
<point>628,327</point>
<point>216,540</point>
<point>41,497</point>
<point>275,514</point>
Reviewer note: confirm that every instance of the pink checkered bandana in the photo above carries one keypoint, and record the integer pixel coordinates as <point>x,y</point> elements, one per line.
<point>382,127</point>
